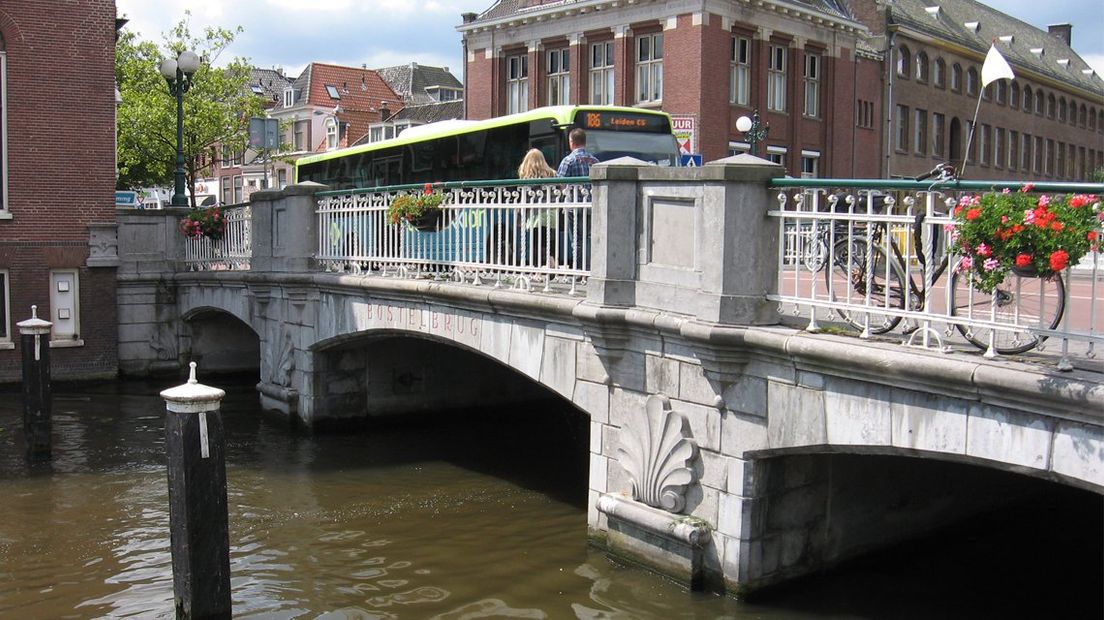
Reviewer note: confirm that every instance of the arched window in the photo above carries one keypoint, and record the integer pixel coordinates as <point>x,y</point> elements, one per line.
<point>1028,99</point>
<point>1092,119</point>
<point>1050,106</point>
<point>1002,92</point>
<point>1062,109</point>
<point>972,82</point>
<point>331,133</point>
<point>904,61</point>
<point>956,78</point>
<point>939,76</point>
<point>921,67</point>
<point>1081,118</point>
<point>1039,102</point>
<point>1014,96</point>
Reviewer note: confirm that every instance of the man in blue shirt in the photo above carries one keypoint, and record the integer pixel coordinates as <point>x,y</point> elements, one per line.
<point>577,163</point>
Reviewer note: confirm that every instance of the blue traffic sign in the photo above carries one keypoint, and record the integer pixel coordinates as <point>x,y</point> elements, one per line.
<point>693,161</point>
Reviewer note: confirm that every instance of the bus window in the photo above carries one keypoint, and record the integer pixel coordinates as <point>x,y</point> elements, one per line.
<point>421,156</point>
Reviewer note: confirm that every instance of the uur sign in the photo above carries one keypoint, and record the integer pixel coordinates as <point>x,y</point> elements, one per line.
<point>685,130</point>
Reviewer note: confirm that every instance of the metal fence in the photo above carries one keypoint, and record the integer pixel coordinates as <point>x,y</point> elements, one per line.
<point>233,251</point>
<point>521,232</point>
<point>875,256</point>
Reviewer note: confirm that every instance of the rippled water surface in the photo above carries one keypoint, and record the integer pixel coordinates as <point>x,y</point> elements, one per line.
<point>463,517</point>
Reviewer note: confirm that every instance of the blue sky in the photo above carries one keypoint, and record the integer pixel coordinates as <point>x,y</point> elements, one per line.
<point>381,33</point>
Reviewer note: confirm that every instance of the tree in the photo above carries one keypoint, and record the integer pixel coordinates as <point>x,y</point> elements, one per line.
<point>217,106</point>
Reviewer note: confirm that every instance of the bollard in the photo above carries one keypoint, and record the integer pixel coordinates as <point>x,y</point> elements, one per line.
<point>198,520</point>
<point>37,401</point>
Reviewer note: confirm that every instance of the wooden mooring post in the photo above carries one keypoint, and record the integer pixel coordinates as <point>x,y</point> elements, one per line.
<point>198,519</point>
<point>37,399</point>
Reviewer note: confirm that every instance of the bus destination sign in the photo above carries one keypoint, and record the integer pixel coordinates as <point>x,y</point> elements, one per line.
<point>622,121</point>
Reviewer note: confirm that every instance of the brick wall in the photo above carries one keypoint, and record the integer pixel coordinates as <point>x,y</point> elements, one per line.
<point>61,169</point>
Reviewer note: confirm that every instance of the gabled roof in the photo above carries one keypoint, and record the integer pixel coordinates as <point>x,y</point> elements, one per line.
<point>975,26</point>
<point>268,83</point>
<point>425,114</point>
<point>351,88</point>
<point>411,81</point>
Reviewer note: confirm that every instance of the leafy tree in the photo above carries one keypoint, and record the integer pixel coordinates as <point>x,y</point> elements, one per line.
<point>217,106</point>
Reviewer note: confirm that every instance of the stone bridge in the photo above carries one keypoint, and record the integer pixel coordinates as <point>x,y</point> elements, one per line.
<point>726,449</point>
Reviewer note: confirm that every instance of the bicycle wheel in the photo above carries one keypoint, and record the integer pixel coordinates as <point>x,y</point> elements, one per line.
<point>1022,303</point>
<point>849,280</point>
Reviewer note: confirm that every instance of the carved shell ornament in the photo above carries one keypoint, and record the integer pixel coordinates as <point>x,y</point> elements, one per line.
<point>657,450</point>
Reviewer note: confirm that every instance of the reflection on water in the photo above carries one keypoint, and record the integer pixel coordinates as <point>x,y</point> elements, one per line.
<point>454,520</point>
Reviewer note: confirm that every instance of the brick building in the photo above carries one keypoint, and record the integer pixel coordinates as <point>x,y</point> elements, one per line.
<point>1047,123</point>
<point>822,73</point>
<point>57,182</point>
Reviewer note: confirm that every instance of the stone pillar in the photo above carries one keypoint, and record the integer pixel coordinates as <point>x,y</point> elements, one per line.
<point>285,228</point>
<point>198,518</point>
<point>613,239</point>
<point>37,400</point>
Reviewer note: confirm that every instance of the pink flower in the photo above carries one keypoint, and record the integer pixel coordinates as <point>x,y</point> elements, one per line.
<point>990,264</point>
<point>1029,216</point>
<point>983,250</point>
<point>965,264</point>
<point>1006,191</point>
<point>1027,188</point>
<point>1044,200</point>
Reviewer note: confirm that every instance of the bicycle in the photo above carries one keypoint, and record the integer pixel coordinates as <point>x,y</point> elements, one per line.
<point>875,268</point>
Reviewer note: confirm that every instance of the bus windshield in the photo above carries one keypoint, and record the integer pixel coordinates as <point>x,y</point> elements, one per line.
<point>656,148</point>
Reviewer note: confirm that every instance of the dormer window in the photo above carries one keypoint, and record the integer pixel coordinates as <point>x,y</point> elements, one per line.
<point>332,91</point>
<point>933,11</point>
<point>973,26</point>
<point>289,97</point>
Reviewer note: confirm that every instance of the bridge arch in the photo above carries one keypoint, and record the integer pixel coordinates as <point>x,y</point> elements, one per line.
<point>219,341</point>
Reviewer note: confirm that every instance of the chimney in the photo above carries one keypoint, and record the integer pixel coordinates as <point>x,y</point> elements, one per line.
<point>1064,33</point>
<point>385,113</point>
<point>469,17</point>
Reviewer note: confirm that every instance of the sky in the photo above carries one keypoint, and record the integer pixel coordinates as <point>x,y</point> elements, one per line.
<point>383,33</point>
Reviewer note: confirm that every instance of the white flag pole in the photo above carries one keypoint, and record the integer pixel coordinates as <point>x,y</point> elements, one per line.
<point>994,68</point>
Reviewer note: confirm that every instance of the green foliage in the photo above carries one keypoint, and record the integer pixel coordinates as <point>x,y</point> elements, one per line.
<point>217,105</point>
<point>410,207</point>
<point>998,232</point>
<point>1098,175</point>
<point>204,222</point>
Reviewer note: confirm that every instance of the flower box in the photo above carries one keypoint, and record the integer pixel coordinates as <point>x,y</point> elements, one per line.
<point>419,211</point>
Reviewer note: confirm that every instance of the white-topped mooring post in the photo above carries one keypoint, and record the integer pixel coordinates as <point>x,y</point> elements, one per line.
<point>198,520</point>
<point>37,399</point>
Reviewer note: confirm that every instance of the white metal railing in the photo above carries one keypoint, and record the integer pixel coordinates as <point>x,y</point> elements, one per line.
<point>520,232</point>
<point>874,258</point>
<point>233,251</point>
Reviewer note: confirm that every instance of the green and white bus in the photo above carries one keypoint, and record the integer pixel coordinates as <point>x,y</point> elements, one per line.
<point>493,148</point>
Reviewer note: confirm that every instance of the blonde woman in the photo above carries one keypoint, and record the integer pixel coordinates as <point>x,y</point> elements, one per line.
<point>541,225</point>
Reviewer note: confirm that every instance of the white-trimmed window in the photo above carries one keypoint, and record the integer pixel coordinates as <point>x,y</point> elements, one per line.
<point>740,80</point>
<point>649,68</point>
<point>777,154</point>
<point>812,85</point>
<point>331,134</point>
<point>738,148</point>
<point>3,131</point>
<point>289,97</point>
<point>776,79</point>
<point>5,310</point>
<point>517,84</point>
<point>998,147</point>
<point>810,164</point>
<point>1013,148</point>
<point>601,73</point>
<point>381,131</point>
<point>983,143</point>
<point>238,197</point>
<point>559,79</point>
<point>65,307</point>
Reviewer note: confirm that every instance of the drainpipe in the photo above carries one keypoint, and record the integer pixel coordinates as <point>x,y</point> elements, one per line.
<point>891,42</point>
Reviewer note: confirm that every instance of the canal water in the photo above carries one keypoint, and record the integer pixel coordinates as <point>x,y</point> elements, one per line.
<point>457,517</point>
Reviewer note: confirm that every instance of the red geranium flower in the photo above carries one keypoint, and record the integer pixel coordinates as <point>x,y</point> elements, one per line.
<point>1023,260</point>
<point>1059,259</point>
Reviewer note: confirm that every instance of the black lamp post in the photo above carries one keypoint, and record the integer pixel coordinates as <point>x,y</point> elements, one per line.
<point>178,73</point>
<point>753,131</point>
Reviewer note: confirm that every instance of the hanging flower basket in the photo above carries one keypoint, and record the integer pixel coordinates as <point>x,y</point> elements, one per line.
<point>1030,235</point>
<point>208,223</point>
<point>420,211</point>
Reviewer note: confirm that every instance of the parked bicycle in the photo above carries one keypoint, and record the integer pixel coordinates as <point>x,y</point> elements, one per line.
<point>867,261</point>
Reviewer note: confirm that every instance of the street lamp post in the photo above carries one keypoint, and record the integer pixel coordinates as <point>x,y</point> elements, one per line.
<point>178,73</point>
<point>753,131</point>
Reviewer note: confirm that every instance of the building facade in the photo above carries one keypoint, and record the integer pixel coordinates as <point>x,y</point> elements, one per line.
<point>826,76</point>
<point>57,182</point>
<point>1046,123</point>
